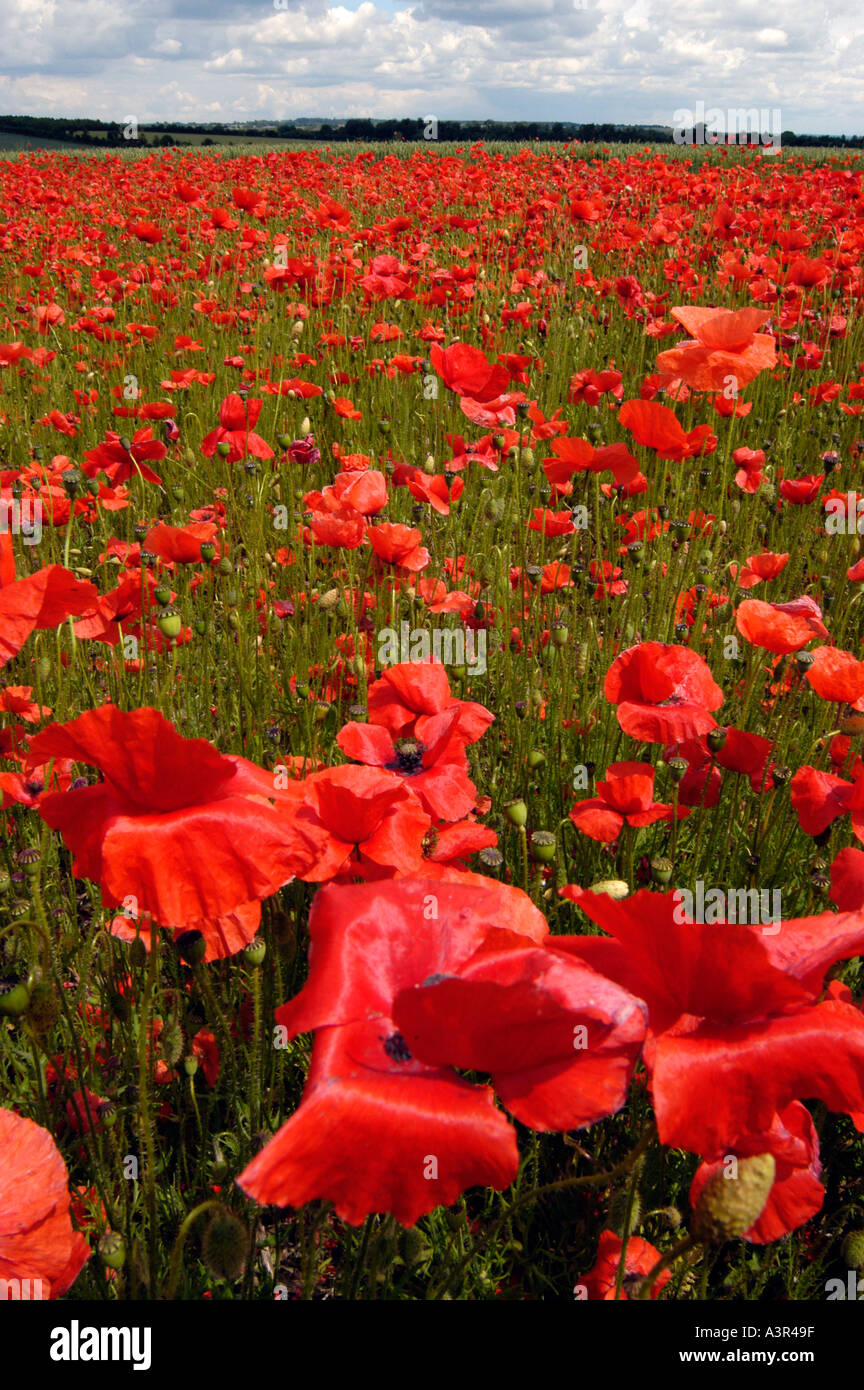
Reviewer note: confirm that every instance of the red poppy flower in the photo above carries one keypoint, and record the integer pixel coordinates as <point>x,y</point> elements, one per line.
<point>467,371</point>
<point>364,821</point>
<point>837,675</point>
<point>398,545</point>
<point>237,419</point>
<point>735,1034</point>
<point>820,798</point>
<point>120,462</point>
<point>435,770</point>
<point>847,880</point>
<point>410,694</point>
<point>657,427</point>
<point>378,1130</point>
<point>183,829</point>
<point>578,456</point>
<point>741,752</point>
<point>663,693</point>
<point>37,1242</point>
<point>751,463</point>
<point>780,628</point>
<point>625,798</point>
<point>641,1257</point>
<point>38,602</point>
<point>181,544</point>
<point>725,343</point>
<point>759,567</point>
<point>802,491</point>
<point>559,1044</point>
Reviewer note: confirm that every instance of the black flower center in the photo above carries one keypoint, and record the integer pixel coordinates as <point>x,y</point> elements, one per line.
<point>396,1048</point>
<point>409,757</point>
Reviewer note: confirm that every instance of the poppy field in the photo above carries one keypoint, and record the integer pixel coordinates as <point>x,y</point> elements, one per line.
<point>432,725</point>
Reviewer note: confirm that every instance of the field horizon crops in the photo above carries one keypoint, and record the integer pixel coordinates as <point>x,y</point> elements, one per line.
<point>432,724</point>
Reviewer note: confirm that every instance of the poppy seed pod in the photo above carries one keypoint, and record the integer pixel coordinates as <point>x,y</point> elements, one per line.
<point>491,858</point>
<point>661,870</point>
<point>112,1250</point>
<point>729,1206</point>
<point>543,846</point>
<point>170,623</point>
<point>255,951</point>
<point>677,768</point>
<point>223,448</point>
<point>715,739</point>
<point>208,551</point>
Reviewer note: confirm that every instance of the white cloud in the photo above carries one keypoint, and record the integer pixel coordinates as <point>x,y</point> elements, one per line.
<point>584,60</point>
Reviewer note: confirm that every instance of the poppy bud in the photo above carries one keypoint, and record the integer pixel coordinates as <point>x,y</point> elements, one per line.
<point>225,566</point>
<point>170,623</point>
<point>14,998</point>
<point>413,1247</point>
<point>677,768</point>
<point>191,947</point>
<point>284,440</point>
<point>200,626</point>
<point>715,738</point>
<point>536,758</point>
<point>728,1206</point>
<point>255,951</point>
<point>112,1251</point>
<point>853,1250</point>
<point>171,1042</point>
<point>225,1246</point>
<point>661,870</point>
<point>516,812</point>
<point>543,846</point>
<point>614,888</point>
<point>223,448</point>
<point>618,1213</point>
<point>44,1010</point>
<point>208,551</point>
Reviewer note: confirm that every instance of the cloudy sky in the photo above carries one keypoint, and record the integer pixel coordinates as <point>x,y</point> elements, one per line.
<point>582,60</point>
